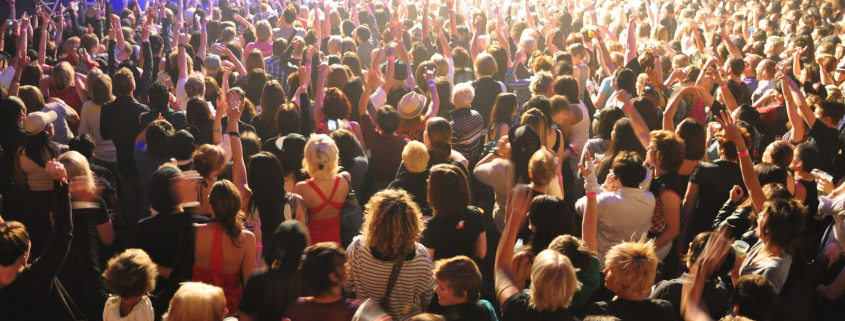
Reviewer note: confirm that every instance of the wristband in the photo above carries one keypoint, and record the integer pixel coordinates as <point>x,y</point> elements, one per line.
<point>724,87</point>
<point>391,59</point>
<point>591,195</point>
<point>303,87</point>
<point>725,37</point>
<point>143,39</point>
<point>308,64</point>
<point>234,134</point>
<point>628,107</point>
<point>431,82</point>
<point>217,128</point>
<point>742,154</point>
<point>259,245</point>
<point>202,29</point>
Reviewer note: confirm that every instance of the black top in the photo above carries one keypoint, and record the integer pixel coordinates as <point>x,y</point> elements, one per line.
<point>487,89</point>
<point>666,183</point>
<point>11,138</point>
<point>169,240</point>
<point>825,139</point>
<point>453,236</point>
<point>516,308</point>
<point>416,185</point>
<point>715,295</point>
<point>480,310</point>
<point>120,122</point>
<point>268,293</point>
<point>627,310</point>
<point>175,118</point>
<point>35,294</point>
<point>81,274</point>
<point>715,181</point>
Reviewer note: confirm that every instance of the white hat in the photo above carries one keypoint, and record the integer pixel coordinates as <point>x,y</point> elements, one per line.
<point>411,105</point>
<point>36,121</point>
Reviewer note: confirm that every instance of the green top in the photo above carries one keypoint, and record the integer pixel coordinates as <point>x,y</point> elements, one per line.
<point>590,279</point>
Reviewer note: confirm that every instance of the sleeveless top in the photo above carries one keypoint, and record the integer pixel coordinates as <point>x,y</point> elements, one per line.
<point>325,230</point>
<point>231,283</point>
<point>581,130</point>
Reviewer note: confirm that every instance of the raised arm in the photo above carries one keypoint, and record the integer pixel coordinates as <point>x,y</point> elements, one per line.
<point>321,91</point>
<point>799,129</point>
<point>183,57</point>
<point>201,51</point>
<point>435,99</point>
<point>147,55</point>
<point>238,165</point>
<point>631,51</point>
<point>672,106</point>
<point>640,127</point>
<point>589,224</point>
<point>518,203</point>
<point>752,183</point>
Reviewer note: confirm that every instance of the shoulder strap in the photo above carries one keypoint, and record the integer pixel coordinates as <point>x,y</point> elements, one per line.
<point>391,282</point>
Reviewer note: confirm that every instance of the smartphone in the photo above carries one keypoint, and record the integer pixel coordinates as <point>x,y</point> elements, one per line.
<point>332,125</point>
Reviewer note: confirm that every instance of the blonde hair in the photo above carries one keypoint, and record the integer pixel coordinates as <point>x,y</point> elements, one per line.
<point>77,167</point>
<point>442,65</point>
<point>534,118</point>
<point>393,223</point>
<point>553,282</point>
<point>634,264</point>
<point>528,44</point>
<point>320,159</point>
<point>263,32</point>
<point>463,94</point>
<point>195,301</point>
<point>334,45</point>
<point>415,155</point>
<point>69,44</point>
<point>63,76</point>
<point>542,167</point>
<point>208,158</point>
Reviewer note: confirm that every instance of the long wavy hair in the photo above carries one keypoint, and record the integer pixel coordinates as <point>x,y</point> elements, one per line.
<point>393,223</point>
<point>225,202</point>
<point>625,140</point>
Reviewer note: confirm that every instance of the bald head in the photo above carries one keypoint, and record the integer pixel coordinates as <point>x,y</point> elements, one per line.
<point>766,69</point>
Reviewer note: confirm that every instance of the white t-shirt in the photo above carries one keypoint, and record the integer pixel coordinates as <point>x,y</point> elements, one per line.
<point>181,96</point>
<point>143,311</point>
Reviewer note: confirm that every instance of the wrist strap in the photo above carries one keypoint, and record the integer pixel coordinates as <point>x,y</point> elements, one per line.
<point>234,134</point>
<point>628,107</point>
<point>431,82</point>
<point>742,154</point>
<point>591,195</point>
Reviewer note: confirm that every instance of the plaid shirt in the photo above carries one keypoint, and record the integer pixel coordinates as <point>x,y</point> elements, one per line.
<point>274,67</point>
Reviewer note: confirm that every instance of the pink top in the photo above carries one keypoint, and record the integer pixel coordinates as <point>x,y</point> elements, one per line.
<point>266,48</point>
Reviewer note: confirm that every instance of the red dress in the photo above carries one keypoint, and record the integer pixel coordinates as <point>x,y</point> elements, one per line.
<point>230,283</point>
<point>325,230</point>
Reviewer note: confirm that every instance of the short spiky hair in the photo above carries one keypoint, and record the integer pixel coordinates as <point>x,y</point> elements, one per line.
<point>462,276</point>
<point>634,264</point>
<point>131,274</point>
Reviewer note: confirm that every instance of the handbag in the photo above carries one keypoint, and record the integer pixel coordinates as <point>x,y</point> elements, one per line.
<point>491,145</point>
<point>351,218</point>
<point>391,282</point>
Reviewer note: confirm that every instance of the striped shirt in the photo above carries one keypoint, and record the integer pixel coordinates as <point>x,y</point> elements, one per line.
<point>466,133</point>
<point>368,279</point>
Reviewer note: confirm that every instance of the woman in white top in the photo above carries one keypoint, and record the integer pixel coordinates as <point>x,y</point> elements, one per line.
<point>100,92</point>
<point>131,276</point>
<point>567,86</point>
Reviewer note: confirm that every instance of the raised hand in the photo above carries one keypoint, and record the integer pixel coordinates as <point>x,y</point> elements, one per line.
<point>736,194</point>
<point>624,96</point>
<point>55,169</point>
<point>731,131</point>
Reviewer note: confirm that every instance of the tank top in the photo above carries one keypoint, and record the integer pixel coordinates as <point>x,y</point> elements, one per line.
<point>37,177</point>
<point>230,283</point>
<point>581,130</point>
<point>325,230</point>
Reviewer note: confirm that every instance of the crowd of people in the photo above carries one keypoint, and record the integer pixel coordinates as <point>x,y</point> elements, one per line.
<point>422,160</point>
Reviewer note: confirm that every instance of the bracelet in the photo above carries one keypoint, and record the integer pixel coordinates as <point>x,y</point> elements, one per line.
<point>259,245</point>
<point>303,87</point>
<point>742,154</point>
<point>591,195</point>
<point>308,64</point>
<point>217,128</point>
<point>724,87</point>
<point>234,134</point>
<point>145,39</point>
<point>203,29</point>
<point>628,107</point>
<point>431,82</point>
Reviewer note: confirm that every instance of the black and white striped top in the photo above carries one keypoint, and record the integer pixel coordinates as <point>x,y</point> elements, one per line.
<point>368,279</point>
